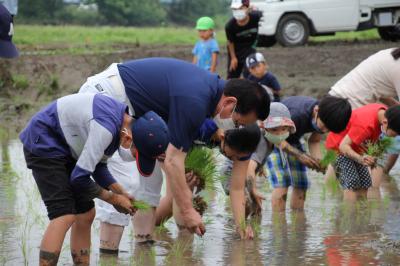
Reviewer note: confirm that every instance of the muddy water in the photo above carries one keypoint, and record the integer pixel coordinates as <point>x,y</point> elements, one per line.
<point>327,233</point>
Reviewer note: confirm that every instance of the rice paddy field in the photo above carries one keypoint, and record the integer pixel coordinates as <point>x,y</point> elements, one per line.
<point>328,232</point>
<point>56,60</point>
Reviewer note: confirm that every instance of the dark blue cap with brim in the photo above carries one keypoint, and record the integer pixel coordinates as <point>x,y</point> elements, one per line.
<point>150,136</point>
<point>7,48</point>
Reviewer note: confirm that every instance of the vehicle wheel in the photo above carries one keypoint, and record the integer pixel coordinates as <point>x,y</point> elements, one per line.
<point>389,33</point>
<point>293,30</point>
<point>266,41</point>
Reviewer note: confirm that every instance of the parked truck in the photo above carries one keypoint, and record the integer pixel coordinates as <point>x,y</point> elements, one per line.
<point>291,22</point>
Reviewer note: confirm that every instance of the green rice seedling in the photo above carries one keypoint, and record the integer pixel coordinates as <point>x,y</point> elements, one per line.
<point>201,161</point>
<point>386,201</point>
<point>333,185</point>
<point>140,205</point>
<point>329,158</point>
<point>177,252</point>
<point>161,228</point>
<point>378,148</point>
<point>256,226</point>
<point>323,193</point>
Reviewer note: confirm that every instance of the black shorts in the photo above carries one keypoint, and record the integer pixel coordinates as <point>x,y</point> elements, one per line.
<point>52,178</point>
<point>352,175</point>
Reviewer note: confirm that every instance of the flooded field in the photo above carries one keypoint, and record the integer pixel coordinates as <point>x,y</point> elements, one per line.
<point>326,233</point>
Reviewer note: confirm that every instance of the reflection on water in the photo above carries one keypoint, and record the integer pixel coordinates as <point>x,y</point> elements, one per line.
<point>328,232</point>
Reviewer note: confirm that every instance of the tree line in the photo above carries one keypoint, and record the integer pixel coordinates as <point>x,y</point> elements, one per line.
<point>121,12</point>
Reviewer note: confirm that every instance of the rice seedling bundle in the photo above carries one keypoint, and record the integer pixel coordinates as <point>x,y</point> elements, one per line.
<point>378,148</point>
<point>140,205</point>
<point>329,158</point>
<point>201,161</point>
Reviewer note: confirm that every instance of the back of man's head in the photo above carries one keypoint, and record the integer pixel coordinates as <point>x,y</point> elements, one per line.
<point>244,139</point>
<point>334,112</point>
<point>251,97</point>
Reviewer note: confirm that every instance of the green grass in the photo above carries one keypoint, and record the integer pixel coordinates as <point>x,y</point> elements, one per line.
<point>82,39</point>
<point>348,36</point>
<point>80,35</point>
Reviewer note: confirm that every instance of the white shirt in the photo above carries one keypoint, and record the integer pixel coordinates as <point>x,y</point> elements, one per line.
<point>375,77</point>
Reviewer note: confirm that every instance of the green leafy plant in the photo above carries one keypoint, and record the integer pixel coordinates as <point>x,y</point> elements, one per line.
<point>140,205</point>
<point>378,148</point>
<point>329,158</point>
<point>201,161</point>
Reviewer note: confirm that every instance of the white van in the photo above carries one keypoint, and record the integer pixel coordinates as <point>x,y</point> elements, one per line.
<point>291,22</point>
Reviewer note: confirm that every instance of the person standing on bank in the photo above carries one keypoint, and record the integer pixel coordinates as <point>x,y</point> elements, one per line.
<point>242,33</point>
<point>69,141</point>
<point>185,95</point>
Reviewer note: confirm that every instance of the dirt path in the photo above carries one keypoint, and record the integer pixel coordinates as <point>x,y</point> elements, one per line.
<point>309,70</point>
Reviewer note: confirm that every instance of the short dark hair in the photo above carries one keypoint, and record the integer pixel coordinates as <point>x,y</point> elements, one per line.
<point>334,112</point>
<point>250,97</point>
<point>396,54</point>
<point>244,139</point>
<point>393,117</point>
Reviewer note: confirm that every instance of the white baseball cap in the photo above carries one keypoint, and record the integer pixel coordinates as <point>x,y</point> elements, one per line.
<point>235,4</point>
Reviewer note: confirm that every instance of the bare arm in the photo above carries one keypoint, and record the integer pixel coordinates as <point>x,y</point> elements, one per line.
<point>194,60</point>
<point>174,165</point>
<point>214,62</point>
<point>234,62</point>
<point>237,197</point>
<point>164,209</point>
<point>391,161</point>
<point>231,49</point>
<point>250,183</point>
<point>314,145</point>
<point>346,149</point>
<point>389,101</point>
<point>304,158</point>
<point>251,170</point>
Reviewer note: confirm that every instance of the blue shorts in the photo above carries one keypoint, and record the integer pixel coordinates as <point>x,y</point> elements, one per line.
<point>285,170</point>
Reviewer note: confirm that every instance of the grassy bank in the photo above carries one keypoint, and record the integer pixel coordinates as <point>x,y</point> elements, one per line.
<point>76,39</point>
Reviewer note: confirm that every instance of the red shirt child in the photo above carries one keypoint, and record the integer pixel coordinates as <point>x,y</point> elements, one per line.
<point>363,126</point>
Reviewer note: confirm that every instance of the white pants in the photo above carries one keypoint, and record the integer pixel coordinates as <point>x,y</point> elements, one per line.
<point>142,188</point>
<point>147,189</point>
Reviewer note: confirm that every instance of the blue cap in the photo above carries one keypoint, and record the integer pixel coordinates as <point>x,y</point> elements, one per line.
<point>7,48</point>
<point>150,136</point>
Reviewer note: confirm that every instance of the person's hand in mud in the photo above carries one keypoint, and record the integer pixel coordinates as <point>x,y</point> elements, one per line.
<point>193,222</point>
<point>257,198</point>
<point>192,180</point>
<point>234,63</point>
<point>246,233</point>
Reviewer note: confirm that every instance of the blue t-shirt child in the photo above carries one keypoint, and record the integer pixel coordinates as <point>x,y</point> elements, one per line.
<point>203,51</point>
